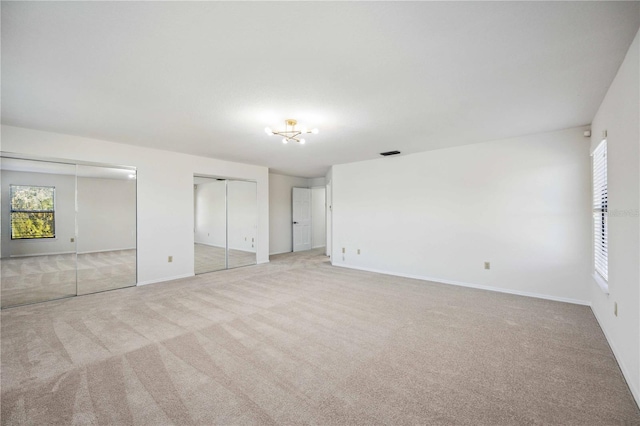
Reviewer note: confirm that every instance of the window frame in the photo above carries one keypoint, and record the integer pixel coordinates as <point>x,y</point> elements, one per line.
<point>12,211</point>
<point>600,203</point>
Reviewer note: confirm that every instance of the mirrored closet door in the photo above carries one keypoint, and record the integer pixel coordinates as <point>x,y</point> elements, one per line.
<point>66,229</point>
<point>225,222</point>
<point>38,255</point>
<point>106,220</point>
<point>241,222</point>
<point>210,237</point>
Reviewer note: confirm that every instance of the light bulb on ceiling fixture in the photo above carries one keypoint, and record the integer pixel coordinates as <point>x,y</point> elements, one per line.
<point>315,131</point>
<point>290,133</point>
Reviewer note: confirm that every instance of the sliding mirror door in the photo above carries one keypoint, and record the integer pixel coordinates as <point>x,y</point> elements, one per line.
<point>210,224</point>
<point>225,218</point>
<point>242,218</point>
<point>106,220</point>
<point>66,229</point>
<point>38,250</point>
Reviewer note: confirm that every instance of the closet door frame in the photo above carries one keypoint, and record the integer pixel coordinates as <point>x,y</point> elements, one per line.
<point>226,217</point>
<point>75,163</point>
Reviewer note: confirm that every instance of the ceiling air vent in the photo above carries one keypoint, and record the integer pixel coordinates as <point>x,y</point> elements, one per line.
<point>385,154</point>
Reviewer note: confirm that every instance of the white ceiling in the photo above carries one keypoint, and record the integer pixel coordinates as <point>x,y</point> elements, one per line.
<point>206,77</point>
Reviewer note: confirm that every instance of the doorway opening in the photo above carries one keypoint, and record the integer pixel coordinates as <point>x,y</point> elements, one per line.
<point>309,218</point>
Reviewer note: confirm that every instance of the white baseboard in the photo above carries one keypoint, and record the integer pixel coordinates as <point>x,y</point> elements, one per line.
<point>71,252</point>
<point>315,247</point>
<point>53,253</point>
<point>244,251</point>
<point>222,247</point>
<point>291,251</point>
<point>280,252</point>
<point>207,244</point>
<point>161,280</point>
<point>104,251</point>
<point>262,262</point>
<point>470,285</point>
<point>623,368</point>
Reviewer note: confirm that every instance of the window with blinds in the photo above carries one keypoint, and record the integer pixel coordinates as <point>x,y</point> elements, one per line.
<point>600,211</point>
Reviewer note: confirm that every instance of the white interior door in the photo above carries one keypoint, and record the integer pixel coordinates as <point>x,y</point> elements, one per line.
<point>301,219</point>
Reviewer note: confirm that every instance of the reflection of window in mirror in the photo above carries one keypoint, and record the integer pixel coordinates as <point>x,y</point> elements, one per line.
<point>32,212</point>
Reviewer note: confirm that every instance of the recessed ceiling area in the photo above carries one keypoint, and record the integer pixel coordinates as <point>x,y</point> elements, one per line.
<point>206,78</point>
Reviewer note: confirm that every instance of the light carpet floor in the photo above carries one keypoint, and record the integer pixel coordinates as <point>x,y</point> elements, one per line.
<point>33,279</point>
<point>297,341</point>
<point>210,258</point>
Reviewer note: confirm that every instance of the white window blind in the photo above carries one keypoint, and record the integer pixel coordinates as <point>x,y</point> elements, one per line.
<point>600,210</point>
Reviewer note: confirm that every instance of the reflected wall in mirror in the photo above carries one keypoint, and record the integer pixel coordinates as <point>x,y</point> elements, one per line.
<point>106,199</point>
<point>225,222</point>
<point>210,222</point>
<point>242,219</point>
<point>38,249</point>
<point>66,229</point>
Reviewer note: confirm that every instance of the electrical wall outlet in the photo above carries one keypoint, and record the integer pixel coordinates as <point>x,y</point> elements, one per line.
<point>358,251</point>
<point>615,308</point>
<point>343,250</point>
<point>73,239</point>
<point>170,259</point>
<point>487,265</point>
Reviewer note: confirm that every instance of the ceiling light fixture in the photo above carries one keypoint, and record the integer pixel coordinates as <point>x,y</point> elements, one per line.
<point>290,133</point>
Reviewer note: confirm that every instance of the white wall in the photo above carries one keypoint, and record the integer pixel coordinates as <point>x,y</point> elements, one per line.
<point>318,181</point>
<point>318,216</point>
<point>280,221</point>
<point>165,193</point>
<point>210,213</point>
<point>519,203</point>
<point>619,115</point>
<point>242,215</point>
<point>106,214</point>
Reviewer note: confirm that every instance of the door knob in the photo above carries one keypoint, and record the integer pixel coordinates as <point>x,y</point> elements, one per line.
<point>295,223</point>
